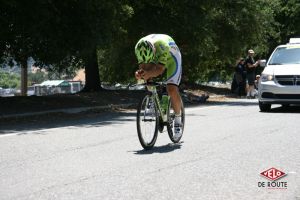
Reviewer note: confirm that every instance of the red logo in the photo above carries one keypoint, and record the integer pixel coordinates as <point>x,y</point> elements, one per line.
<point>273,174</point>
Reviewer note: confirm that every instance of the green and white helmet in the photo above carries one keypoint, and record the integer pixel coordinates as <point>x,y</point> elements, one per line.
<point>144,51</point>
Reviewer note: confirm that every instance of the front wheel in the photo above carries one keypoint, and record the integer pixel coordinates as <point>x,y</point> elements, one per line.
<point>264,107</point>
<point>147,122</point>
<point>170,123</point>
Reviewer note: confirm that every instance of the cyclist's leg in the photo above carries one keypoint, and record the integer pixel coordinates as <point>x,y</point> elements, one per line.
<point>173,92</point>
<point>174,71</point>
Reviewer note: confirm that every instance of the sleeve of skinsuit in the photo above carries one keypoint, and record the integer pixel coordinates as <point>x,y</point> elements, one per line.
<point>162,52</point>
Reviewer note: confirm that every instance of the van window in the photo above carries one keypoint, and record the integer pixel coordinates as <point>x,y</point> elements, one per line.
<point>286,55</point>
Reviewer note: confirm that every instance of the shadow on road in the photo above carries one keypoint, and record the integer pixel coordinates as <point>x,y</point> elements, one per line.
<point>102,118</point>
<point>286,109</point>
<point>160,149</point>
<point>235,102</point>
<point>36,123</point>
<point>96,119</point>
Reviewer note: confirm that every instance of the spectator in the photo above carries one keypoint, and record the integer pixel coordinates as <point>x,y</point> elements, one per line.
<point>250,67</point>
<point>256,81</point>
<point>240,76</point>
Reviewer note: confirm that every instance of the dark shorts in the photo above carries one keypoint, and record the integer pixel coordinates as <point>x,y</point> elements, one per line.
<point>251,78</point>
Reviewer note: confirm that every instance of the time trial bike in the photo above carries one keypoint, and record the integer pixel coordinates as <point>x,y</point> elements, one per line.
<point>153,115</point>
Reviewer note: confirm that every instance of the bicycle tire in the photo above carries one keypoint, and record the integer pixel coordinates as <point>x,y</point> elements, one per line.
<point>170,123</point>
<point>142,117</point>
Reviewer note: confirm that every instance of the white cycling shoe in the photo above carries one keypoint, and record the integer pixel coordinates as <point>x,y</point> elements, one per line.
<point>177,131</point>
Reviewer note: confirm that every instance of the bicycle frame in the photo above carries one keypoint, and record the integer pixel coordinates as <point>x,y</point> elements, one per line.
<point>154,96</point>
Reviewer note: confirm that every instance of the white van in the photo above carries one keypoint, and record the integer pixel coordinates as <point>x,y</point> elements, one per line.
<point>280,80</point>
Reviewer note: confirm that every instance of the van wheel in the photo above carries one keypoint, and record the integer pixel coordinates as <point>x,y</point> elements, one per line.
<point>264,107</point>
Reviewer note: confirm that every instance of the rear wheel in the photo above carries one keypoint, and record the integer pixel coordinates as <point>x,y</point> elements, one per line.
<point>170,123</point>
<point>147,122</point>
<point>264,107</point>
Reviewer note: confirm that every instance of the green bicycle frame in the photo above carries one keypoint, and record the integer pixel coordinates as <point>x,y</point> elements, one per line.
<point>155,97</point>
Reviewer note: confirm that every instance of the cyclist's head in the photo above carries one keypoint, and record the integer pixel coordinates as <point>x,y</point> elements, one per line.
<point>144,51</point>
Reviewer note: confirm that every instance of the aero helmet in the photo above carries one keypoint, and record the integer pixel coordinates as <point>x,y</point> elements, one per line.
<point>144,51</point>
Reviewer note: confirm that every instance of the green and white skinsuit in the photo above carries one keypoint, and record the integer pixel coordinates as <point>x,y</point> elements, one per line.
<point>166,53</point>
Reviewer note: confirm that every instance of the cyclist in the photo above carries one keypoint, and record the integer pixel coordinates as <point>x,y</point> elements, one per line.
<point>155,54</point>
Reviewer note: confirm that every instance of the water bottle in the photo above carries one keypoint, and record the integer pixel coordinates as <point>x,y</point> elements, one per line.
<point>165,103</point>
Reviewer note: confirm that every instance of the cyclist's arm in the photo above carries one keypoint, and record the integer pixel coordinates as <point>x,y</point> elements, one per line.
<point>162,52</point>
<point>151,70</point>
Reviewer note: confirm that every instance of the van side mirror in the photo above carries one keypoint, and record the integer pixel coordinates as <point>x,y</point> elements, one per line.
<point>262,63</point>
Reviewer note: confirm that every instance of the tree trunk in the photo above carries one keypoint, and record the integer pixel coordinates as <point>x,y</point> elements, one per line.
<point>92,77</point>
<point>24,78</point>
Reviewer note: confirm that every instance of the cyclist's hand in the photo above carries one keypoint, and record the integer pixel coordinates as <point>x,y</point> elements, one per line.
<point>146,75</point>
<point>139,74</point>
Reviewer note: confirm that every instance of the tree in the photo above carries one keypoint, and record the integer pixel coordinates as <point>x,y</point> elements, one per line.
<point>36,78</point>
<point>59,30</point>
<point>211,35</point>
<point>16,40</point>
<point>101,35</point>
<point>84,27</point>
<point>9,80</point>
<point>288,16</point>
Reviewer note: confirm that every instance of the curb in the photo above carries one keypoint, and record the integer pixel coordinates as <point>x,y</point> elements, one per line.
<point>67,110</point>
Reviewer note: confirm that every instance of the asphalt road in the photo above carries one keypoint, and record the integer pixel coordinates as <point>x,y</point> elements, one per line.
<point>223,151</point>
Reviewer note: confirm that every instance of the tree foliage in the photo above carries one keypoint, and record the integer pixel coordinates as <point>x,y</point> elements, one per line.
<point>210,34</point>
<point>56,32</point>
<point>37,77</point>
<point>8,80</point>
<point>65,35</point>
